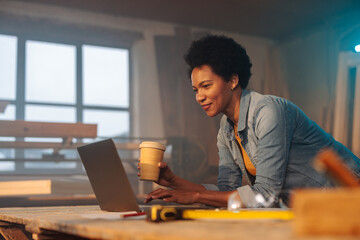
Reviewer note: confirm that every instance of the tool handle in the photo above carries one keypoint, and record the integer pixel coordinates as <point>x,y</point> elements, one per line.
<point>159,213</point>
<point>329,162</point>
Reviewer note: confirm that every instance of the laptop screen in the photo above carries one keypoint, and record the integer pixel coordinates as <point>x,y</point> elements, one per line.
<point>108,177</point>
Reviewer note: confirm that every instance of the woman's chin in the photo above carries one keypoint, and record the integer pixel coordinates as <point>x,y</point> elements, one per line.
<point>211,114</point>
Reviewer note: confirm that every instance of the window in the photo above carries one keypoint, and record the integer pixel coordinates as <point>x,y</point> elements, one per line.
<point>347,103</point>
<point>63,82</point>
<point>106,86</point>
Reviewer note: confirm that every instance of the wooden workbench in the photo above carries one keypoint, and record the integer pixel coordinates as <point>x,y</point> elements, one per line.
<point>71,223</point>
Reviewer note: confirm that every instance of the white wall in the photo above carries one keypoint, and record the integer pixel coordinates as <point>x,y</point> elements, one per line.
<point>309,62</point>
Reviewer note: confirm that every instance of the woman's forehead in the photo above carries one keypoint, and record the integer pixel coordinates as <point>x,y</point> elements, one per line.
<point>203,74</point>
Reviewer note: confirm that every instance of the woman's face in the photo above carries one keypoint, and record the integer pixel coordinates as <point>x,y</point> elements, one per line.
<point>211,90</point>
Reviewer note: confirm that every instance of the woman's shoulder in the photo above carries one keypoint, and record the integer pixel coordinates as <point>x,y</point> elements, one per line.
<point>269,106</point>
<point>265,98</point>
<point>260,101</point>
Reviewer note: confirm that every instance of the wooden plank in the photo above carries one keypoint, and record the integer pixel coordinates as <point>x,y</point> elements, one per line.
<point>327,212</point>
<point>46,145</point>
<point>48,200</point>
<point>21,128</point>
<point>51,235</point>
<point>27,187</point>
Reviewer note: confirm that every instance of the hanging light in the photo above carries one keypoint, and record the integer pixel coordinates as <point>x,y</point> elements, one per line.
<point>357,48</point>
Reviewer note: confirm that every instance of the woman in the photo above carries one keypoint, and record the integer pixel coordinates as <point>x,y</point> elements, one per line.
<point>264,141</point>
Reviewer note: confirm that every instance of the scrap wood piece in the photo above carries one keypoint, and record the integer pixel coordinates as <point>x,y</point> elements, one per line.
<point>327,211</point>
<point>25,187</point>
<point>327,161</point>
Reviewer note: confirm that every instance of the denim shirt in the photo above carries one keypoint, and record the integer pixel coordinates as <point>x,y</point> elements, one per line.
<point>281,142</point>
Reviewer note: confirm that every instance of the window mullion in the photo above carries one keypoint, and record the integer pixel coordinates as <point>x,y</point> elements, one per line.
<point>79,84</point>
<point>20,82</point>
<point>20,96</point>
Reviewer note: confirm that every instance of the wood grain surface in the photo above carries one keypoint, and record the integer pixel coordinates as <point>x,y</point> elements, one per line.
<point>71,220</point>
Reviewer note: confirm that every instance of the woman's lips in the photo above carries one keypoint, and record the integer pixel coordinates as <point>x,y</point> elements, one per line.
<point>206,106</point>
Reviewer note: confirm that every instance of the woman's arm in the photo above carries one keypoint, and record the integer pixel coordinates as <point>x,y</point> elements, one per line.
<point>185,192</point>
<point>213,198</point>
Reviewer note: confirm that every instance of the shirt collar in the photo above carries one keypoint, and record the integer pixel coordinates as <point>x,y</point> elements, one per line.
<point>244,107</point>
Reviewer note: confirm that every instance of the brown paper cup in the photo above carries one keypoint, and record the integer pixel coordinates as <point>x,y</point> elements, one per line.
<point>151,153</point>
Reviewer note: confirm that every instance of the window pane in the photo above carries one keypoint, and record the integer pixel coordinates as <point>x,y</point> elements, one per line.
<point>50,72</point>
<point>8,52</point>
<point>106,76</point>
<point>110,123</point>
<point>50,113</point>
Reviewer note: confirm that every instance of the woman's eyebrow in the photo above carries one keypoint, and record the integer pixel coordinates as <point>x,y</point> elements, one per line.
<point>202,83</point>
<point>205,81</point>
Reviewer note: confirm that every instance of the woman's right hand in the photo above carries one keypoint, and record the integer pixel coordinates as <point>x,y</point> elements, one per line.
<point>166,177</point>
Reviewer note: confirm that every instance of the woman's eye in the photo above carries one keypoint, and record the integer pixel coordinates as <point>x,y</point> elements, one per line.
<point>207,86</point>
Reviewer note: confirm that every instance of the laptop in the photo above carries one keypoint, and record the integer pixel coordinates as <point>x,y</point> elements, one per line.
<point>108,177</point>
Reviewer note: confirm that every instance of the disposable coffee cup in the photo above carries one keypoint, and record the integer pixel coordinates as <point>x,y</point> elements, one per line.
<point>151,154</point>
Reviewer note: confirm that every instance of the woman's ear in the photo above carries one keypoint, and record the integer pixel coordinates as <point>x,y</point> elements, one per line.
<point>234,81</point>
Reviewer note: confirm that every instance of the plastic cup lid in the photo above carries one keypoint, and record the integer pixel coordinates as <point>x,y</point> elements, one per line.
<point>152,145</point>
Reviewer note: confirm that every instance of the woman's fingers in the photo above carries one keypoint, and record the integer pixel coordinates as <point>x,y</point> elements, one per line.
<point>162,165</point>
<point>161,195</point>
<point>158,193</point>
<point>178,196</point>
<point>155,192</point>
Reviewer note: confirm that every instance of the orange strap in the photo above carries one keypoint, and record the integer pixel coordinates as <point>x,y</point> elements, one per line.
<point>248,164</point>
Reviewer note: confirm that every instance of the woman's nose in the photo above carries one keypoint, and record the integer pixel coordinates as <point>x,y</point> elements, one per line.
<point>200,97</point>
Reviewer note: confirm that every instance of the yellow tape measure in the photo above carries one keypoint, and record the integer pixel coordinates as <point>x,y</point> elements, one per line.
<point>161,213</point>
<point>242,214</point>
